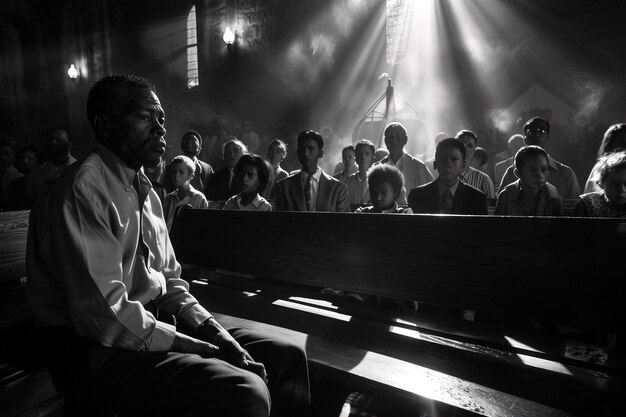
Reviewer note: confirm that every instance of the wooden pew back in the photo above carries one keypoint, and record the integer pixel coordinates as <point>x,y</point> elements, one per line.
<point>566,270</point>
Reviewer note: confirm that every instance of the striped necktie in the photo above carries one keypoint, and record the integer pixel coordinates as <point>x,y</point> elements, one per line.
<point>307,192</point>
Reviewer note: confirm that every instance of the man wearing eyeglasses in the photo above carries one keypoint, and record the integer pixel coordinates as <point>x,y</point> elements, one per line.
<point>537,132</point>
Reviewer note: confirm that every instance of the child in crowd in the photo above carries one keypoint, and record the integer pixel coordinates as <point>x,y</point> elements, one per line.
<point>348,165</point>
<point>480,160</point>
<point>276,153</point>
<point>448,194</point>
<point>252,174</point>
<point>182,170</point>
<point>531,194</point>
<point>358,192</point>
<point>385,184</point>
<point>610,201</point>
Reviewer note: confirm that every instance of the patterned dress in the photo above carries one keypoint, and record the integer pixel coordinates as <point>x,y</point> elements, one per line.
<point>597,205</point>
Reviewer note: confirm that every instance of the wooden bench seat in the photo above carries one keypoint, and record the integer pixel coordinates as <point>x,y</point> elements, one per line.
<point>533,270</point>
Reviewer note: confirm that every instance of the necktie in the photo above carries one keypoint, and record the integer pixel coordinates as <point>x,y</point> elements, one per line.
<point>230,181</point>
<point>446,201</point>
<point>307,192</point>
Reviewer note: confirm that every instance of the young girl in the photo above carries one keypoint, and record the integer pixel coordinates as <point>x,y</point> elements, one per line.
<point>252,174</point>
<point>276,153</point>
<point>531,194</point>
<point>610,201</point>
<point>385,183</point>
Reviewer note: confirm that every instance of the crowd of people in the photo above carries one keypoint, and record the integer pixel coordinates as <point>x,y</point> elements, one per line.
<point>120,330</point>
<point>528,181</point>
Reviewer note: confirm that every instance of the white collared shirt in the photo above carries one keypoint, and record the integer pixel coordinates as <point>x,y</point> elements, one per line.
<point>257,204</point>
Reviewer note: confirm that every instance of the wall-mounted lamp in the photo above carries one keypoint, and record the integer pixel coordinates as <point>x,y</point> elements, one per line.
<point>72,72</point>
<point>229,36</point>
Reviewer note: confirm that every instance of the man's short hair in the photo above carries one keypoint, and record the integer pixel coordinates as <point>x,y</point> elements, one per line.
<point>48,135</point>
<point>111,96</point>
<point>367,143</point>
<point>311,135</point>
<point>262,169</point>
<point>481,153</point>
<point>527,152</point>
<point>537,119</point>
<point>234,140</point>
<point>467,133</point>
<point>191,133</point>
<point>347,148</point>
<point>185,160</point>
<point>451,143</point>
<point>395,125</point>
<point>381,173</point>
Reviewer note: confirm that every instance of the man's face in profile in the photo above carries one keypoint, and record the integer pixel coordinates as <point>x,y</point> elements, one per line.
<point>140,135</point>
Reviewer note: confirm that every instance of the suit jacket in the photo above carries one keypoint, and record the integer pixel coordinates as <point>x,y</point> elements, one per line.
<point>467,199</point>
<point>200,179</point>
<point>332,194</point>
<point>217,189</point>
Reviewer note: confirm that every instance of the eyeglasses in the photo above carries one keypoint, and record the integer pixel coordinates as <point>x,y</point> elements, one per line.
<point>536,131</point>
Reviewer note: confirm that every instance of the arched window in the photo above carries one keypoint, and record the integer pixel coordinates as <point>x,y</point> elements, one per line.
<point>193,79</point>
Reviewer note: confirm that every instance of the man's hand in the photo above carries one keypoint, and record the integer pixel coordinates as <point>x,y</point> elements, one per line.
<point>229,349</point>
<point>187,344</point>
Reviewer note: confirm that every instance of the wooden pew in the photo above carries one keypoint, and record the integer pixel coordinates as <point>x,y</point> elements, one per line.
<point>26,388</point>
<point>516,272</point>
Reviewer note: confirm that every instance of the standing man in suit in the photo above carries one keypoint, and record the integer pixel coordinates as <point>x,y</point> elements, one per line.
<point>311,189</point>
<point>447,194</point>
<point>191,145</point>
<point>415,171</point>
<point>222,184</point>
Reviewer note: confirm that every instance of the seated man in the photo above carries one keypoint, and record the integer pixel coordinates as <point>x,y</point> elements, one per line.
<point>311,189</point>
<point>537,132</point>
<point>448,194</point>
<point>103,278</point>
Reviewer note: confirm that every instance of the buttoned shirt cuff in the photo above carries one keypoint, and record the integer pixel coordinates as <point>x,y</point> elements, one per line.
<point>163,337</point>
<point>194,316</point>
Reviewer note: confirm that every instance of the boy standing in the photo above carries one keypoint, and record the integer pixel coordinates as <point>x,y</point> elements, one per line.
<point>181,173</point>
<point>447,194</point>
<point>311,189</point>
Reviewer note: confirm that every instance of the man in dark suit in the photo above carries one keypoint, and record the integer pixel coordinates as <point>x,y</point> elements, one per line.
<point>448,194</point>
<point>222,184</point>
<point>311,189</point>
<point>191,145</point>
